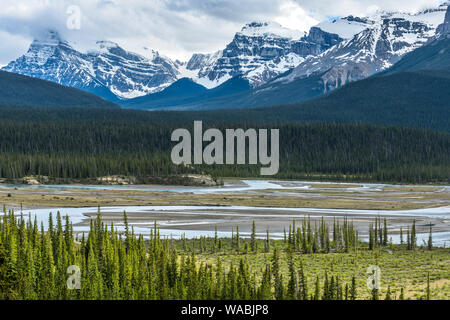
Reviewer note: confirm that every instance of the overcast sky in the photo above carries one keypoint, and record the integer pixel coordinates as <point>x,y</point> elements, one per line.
<point>176,28</point>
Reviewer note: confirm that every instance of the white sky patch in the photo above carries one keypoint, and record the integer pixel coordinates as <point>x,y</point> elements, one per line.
<point>295,17</point>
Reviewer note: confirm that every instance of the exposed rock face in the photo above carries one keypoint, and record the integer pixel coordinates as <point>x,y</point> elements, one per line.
<point>261,51</point>
<point>388,37</point>
<point>108,70</point>
<point>444,29</point>
<point>35,180</point>
<point>116,180</point>
<point>343,50</point>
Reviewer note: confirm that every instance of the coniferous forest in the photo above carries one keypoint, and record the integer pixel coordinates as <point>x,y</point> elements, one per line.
<point>224,159</point>
<point>81,145</point>
<point>106,264</point>
<point>315,260</point>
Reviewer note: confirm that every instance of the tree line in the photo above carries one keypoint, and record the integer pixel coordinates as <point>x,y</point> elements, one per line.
<point>122,265</point>
<point>85,149</point>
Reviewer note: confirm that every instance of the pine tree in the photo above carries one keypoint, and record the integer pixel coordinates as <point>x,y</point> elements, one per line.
<point>413,236</point>
<point>388,294</point>
<point>317,289</point>
<point>267,242</point>
<point>265,290</point>
<point>302,284</point>
<point>353,290</point>
<point>238,240</point>
<point>278,278</point>
<point>253,238</point>
<point>430,239</point>
<point>375,294</point>
<point>408,240</point>
<point>371,238</point>
<point>292,289</point>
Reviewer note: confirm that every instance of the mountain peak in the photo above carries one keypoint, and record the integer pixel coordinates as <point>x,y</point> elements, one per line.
<point>444,28</point>
<point>447,15</point>
<point>269,28</point>
<point>49,38</point>
<point>346,27</point>
<point>107,44</point>
<point>259,24</point>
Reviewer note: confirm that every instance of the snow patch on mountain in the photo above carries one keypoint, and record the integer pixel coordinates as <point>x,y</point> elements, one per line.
<point>387,38</point>
<point>258,53</point>
<point>343,50</point>
<point>346,27</point>
<point>105,66</point>
<point>269,29</point>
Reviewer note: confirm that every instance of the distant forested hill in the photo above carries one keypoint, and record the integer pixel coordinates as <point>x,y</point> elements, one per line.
<point>415,99</point>
<point>433,56</point>
<point>85,149</point>
<point>18,90</point>
<point>186,92</point>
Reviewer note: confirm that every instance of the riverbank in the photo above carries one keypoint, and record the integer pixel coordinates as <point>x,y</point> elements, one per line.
<point>119,180</point>
<point>272,205</point>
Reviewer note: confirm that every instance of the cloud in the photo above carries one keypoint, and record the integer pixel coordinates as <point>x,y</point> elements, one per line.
<point>176,28</point>
<point>318,9</point>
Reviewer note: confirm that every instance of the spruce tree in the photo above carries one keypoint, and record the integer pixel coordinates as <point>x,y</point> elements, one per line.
<point>253,238</point>
<point>430,239</point>
<point>402,294</point>
<point>388,294</point>
<point>353,289</point>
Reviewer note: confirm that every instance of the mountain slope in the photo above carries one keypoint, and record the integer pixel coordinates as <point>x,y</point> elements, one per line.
<point>433,56</point>
<point>415,99</point>
<point>282,65</point>
<point>419,99</point>
<point>266,95</point>
<point>107,70</point>
<point>22,91</point>
<point>186,92</point>
<point>385,38</point>
<point>258,53</point>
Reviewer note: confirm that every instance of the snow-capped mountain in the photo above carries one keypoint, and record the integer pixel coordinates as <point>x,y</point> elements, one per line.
<point>259,52</point>
<point>385,38</point>
<point>443,30</point>
<point>346,27</point>
<point>107,70</point>
<point>339,51</point>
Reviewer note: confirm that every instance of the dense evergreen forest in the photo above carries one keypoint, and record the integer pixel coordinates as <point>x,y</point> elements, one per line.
<point>112,265</point>
<point>82,145</point>
<point>23,91</point>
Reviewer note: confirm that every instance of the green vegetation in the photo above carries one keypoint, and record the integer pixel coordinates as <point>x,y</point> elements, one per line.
<point>22,91</point>
<point>86,149</point>
<point>414,93</point>
<point>315,261</point>
<point>186,92</point>
<point>414,99</point>
<point>73,145</point>
<point>433,56</point>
